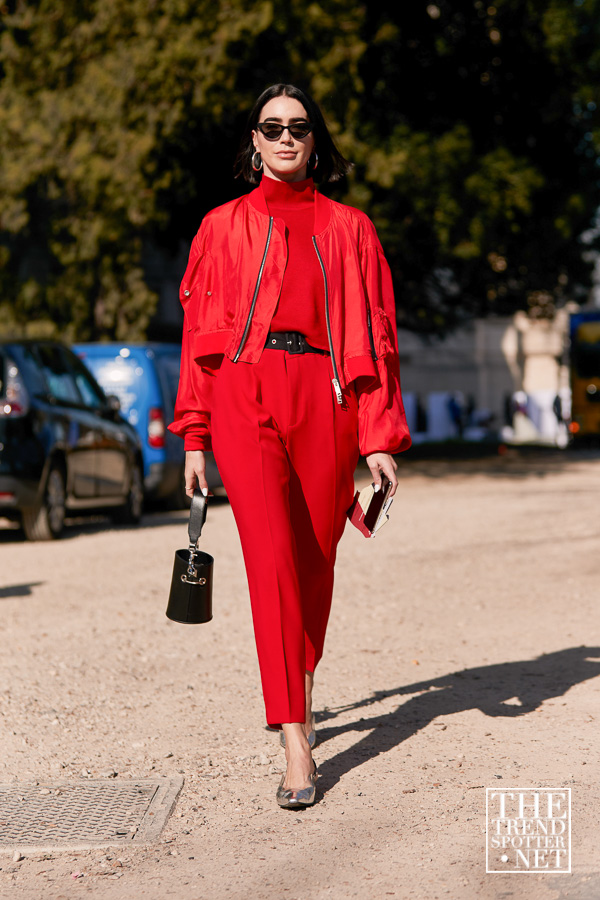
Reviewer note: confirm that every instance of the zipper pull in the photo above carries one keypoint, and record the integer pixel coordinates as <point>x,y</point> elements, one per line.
<point>337,389</point>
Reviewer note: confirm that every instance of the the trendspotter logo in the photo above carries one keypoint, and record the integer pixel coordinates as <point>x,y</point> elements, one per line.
<point>528,830</point>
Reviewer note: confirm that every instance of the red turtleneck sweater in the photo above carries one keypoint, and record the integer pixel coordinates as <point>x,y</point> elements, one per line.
<point>301,304</point>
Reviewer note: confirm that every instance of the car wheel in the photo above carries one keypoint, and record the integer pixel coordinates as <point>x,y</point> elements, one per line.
<point>131,511</point>
<point>46,522</point>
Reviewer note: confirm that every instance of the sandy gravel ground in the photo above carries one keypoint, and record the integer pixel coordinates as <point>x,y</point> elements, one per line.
<point>463,653</point>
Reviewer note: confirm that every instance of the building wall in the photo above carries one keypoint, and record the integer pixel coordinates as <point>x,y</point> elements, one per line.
<point>488,360</point>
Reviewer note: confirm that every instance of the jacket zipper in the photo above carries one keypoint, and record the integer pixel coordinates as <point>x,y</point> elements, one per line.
<point>370,330</point>
<point>335,380</point>
<point>256,289</point>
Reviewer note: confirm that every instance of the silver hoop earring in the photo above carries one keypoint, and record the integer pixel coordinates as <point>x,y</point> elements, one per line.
<point>316,162</point>
<point>255,166</point>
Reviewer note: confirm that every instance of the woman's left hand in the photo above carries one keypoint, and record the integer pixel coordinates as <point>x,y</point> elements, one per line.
<point>383,462</point>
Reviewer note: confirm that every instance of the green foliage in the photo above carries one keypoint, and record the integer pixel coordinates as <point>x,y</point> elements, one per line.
<point>479,144</point>
<point>95,102</point>
<point>473,129</point>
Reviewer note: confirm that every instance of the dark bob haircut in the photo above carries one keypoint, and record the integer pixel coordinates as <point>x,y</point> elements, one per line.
<point>332,165</point>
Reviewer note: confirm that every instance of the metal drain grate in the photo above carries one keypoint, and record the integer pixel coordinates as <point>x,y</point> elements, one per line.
<point>85,815</point>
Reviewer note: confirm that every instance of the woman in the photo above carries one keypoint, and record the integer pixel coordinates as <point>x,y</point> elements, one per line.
<point>289,370</point>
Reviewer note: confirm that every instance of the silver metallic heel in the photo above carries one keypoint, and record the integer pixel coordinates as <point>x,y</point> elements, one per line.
<point>290,798</point>
<point>312,736</point>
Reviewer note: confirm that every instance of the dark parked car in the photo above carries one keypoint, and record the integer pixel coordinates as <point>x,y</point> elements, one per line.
<point>64,446</point>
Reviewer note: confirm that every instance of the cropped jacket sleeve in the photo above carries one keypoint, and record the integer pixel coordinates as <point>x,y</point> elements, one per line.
<point>194,396</point>
<point>382,426</point>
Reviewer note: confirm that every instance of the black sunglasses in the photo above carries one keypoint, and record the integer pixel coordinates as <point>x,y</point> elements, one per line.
<point>273,131</point>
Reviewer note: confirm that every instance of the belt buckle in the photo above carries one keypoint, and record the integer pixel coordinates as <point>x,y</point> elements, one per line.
<point>295,342</point>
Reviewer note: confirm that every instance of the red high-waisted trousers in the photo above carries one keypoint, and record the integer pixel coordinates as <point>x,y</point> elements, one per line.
<point>286,451</point>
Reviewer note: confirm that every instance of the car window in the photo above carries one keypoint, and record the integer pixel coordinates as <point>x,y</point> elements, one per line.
<point>30,368</point>
<point>60,380</point>
<point>121,377</point>
<point>91,394</point>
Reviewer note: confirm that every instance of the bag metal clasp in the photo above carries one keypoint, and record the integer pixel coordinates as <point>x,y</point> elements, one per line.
<point>191,577</point>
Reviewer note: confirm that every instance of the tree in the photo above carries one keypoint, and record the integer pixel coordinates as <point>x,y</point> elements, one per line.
<point>480,152</point>
<point>96,101</point>
<point>473,129</point>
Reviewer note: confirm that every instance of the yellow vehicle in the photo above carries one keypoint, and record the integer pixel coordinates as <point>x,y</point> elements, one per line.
<point>585,373</point>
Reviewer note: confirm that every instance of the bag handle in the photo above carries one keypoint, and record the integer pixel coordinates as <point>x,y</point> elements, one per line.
<point>197,516</point>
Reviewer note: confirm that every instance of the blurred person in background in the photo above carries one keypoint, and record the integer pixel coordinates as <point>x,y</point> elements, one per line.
<point>289,372</point>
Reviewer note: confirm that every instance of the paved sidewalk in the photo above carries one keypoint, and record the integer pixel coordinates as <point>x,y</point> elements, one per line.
<point>463,653</point>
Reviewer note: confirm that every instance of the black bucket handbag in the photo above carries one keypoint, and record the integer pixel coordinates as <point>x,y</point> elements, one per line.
<point>190,599</point>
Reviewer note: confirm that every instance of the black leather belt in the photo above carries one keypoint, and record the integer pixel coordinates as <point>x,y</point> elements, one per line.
<point>292,341</point>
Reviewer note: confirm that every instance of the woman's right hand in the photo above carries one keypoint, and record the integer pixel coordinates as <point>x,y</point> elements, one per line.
<point>195,468</point>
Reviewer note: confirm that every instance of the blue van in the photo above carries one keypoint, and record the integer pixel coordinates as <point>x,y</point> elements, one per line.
<point>145,378</point>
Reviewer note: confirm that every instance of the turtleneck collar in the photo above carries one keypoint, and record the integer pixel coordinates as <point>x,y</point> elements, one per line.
<point>257,201</point>
<point>283,193</point>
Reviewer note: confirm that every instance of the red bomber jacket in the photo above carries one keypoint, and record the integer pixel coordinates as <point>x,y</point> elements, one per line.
<point>229,293</point>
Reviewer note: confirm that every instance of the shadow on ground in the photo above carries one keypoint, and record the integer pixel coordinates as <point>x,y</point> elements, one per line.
<point>506,689</point>
<point>19,590</point>
<point>512,462</point>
